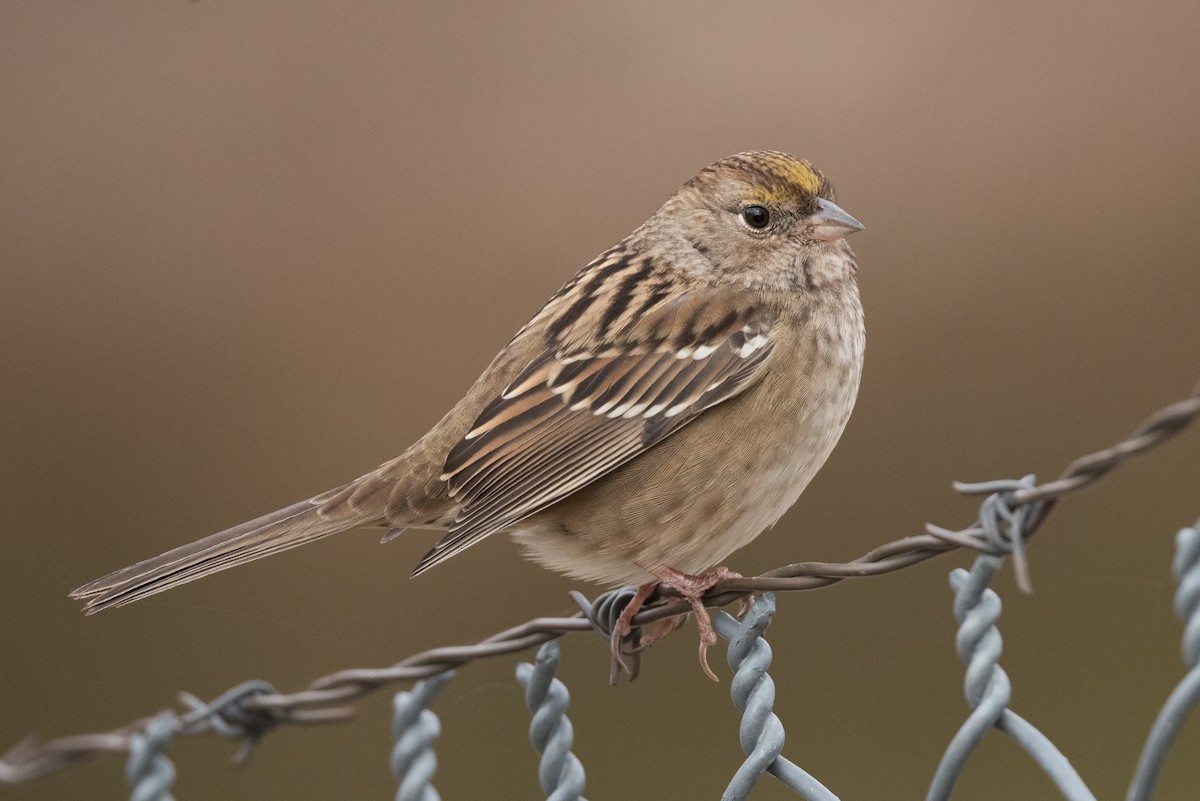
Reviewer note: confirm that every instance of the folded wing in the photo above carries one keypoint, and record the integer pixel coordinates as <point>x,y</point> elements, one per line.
<point>570,417</point>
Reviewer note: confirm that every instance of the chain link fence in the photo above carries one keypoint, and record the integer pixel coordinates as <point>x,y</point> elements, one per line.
<point>1011,513</point>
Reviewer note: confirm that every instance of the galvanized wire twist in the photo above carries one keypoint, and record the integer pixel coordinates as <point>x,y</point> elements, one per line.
<point>415,727</point>
<point>1186,567</point>
<point>988,689</point>
<point>1186,695</point>
<point>148,770</point>
<point>560,772</point>
<point>760,732</point>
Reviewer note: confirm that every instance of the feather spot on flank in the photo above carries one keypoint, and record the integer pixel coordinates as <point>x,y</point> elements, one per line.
<point>676,409</point>
<point>703,352</point>
<point>683,353</point>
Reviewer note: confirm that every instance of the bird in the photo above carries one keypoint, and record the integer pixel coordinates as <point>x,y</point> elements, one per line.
<point>662,409</point>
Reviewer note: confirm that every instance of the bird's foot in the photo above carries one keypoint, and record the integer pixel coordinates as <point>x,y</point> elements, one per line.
<point>624,626</point>
<point>692,589</point>
<point>660,632</point>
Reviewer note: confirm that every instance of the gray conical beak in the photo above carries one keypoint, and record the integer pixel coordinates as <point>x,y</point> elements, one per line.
<point>830,223</point>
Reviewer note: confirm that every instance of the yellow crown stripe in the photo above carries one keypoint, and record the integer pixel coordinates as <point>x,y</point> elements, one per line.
<point>785,177</point>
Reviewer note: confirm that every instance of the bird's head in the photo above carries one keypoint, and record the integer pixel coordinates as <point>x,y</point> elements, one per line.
<point>765,218</point>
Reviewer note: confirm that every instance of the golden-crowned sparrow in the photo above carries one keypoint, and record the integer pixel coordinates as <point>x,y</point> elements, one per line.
<point>665,406</point>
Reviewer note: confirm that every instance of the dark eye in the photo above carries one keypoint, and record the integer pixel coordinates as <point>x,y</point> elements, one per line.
<point>756,217</point>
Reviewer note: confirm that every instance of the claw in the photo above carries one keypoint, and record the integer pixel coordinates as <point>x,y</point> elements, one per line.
<point>692,588</point>
<point>622,628</point>
<point>704,662</point>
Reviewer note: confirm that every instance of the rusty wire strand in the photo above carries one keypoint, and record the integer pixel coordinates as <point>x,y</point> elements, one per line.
<point>323,700</point>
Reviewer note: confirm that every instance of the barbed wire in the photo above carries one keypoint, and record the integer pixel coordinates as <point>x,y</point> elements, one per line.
<point>248,711</point>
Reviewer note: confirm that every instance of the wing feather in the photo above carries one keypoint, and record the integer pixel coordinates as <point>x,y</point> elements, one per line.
<point>569,418</point>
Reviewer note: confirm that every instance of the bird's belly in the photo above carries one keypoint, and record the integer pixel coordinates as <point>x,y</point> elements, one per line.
<point>700,495</point>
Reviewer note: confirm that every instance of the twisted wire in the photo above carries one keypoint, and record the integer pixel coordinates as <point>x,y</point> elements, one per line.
<point>603,614</point>
<point>325,698</point>
<point>1003,521</point>
<point>228,715</point>
<point>753,690</point>
<point>560,772</point>
<point>988,689</point>
<point>986,685</point>
<point>1186,567</point>
<point>148,770</point>
<point>1186,694</point>
<point>414,728</point>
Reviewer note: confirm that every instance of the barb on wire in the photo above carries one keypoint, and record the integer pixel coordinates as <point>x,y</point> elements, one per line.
<point>603,614</point>
<point>1187,693</point>
<point>227,715</point>
<point>324,700</point>
<point>1002,523</point>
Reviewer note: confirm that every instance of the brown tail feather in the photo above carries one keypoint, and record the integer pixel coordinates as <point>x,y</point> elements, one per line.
<point>278,531</point>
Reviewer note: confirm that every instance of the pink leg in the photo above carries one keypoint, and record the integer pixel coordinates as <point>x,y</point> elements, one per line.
<point>744,605</point>
<point>625,624</point>
<point>660,632</point>
<point>692,588</point>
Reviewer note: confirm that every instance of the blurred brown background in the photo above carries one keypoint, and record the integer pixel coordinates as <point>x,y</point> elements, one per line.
<point>249,251</point>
